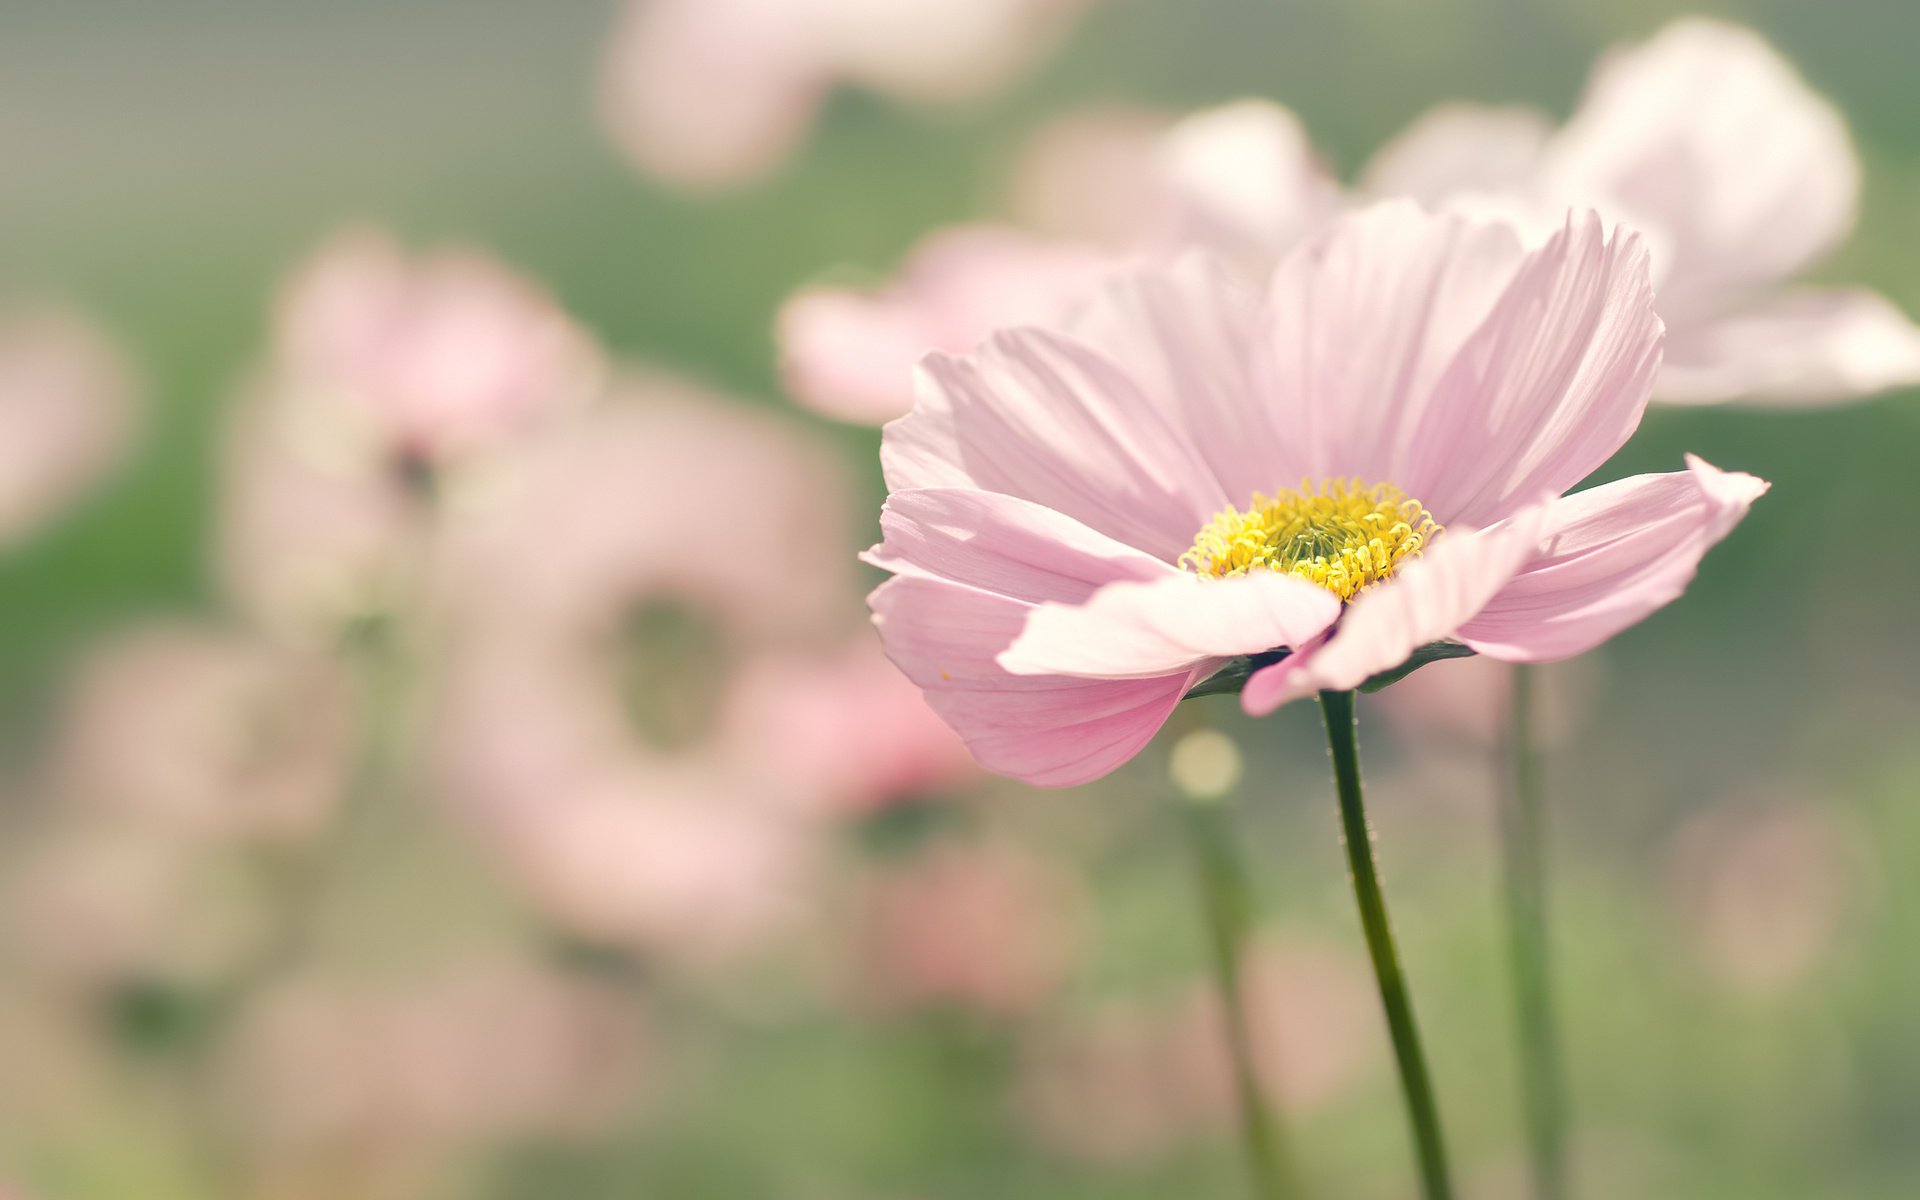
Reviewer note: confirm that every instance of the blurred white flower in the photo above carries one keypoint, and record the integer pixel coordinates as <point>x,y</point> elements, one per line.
<point>1739,175</point>
<point>715,93</point>
<point>66,416</point>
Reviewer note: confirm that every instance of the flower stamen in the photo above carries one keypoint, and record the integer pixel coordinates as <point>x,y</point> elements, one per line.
<point>1343,534</point>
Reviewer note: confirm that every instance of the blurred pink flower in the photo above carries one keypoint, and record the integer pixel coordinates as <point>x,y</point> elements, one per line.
<point>419,1067</point>
<point>66,415</point>
<point>207,732</point>
<point>1739,175</point>
<point>1063,529</point>
<point>599,613</point>
<point>397,391</point>
<point>850,354</point>
<point>715,93</point>
<point>848,726</point>
<point>982,927</point>
<point>1131,1081</point>
<point>1241,179</point>
<point>431,358</point>
<point>1767,892</point>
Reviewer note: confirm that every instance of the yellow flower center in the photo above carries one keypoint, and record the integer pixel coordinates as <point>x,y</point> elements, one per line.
<point>1343,535</point>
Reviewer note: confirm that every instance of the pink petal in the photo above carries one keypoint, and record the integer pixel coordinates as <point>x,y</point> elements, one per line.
<point>1178,623</point>
<point>1004,545</point>
<point>1187,335</point>
<point>1461,150</point>
<point>1426,600</point>
<point>971,566</point>
<point>1710,138</point>
<point>1553,382</point>
<point>1045,729</point>
<point>1610,556</point>
<point>1039,416</point>
<point>1807,347</point>
<point>850,354</point>
<point>1362,323</point>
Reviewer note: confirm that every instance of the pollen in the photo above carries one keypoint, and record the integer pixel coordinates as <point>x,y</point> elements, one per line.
<point>1342,534</point>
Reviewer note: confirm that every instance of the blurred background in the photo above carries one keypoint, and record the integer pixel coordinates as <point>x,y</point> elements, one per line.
<point>443,753</point>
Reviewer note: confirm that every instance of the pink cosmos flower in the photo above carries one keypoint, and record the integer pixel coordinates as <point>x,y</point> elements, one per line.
<point>1739,175</point>
<point>716,93</point>
<point>433,357</point>
<point>1367,457</point>
<point>66,408</point>
<point>598,610</point>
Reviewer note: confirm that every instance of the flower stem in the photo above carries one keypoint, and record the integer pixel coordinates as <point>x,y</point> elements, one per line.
<point>1226,904</point>
<point>1422,1113</point>
<point>1523,851</point>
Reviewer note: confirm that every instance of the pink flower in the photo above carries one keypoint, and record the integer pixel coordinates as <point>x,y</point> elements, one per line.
<point>433,358</point>
<point>66,408</point>
<point>716,93</point>
<point>597,609</point>
<point>1364,459</point>
<point>1241,179</point>
<point>854,732</point>
<point>1739,175</point>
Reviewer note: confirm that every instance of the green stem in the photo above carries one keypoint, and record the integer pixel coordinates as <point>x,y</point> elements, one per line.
<point>1422,1113</point>
<point>1523,851</point>
<point>1226,904</point>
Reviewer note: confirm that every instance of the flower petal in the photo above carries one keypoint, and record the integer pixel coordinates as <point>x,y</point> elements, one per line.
<point>1178,623</point>
<point>1045,729</point>
<point>1610,556</point>
<point>1040,416</point>
<point>1187,335</point>
<point>1799,348</point>
<point>1426,600</point>
<point>1713,140</point>
<point>1461,149</point>
<point>970,567</point>
<point>1003,544</point>
<point>1551,384</point>
<point>1363,321</point>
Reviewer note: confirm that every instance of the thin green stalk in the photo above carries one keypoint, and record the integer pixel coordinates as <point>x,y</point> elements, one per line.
<point>1422,1113</point>
<point>1226,904</point>
<point>1523,852</point>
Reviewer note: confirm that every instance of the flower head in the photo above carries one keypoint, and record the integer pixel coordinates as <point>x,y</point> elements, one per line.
<point>1083,526</point>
